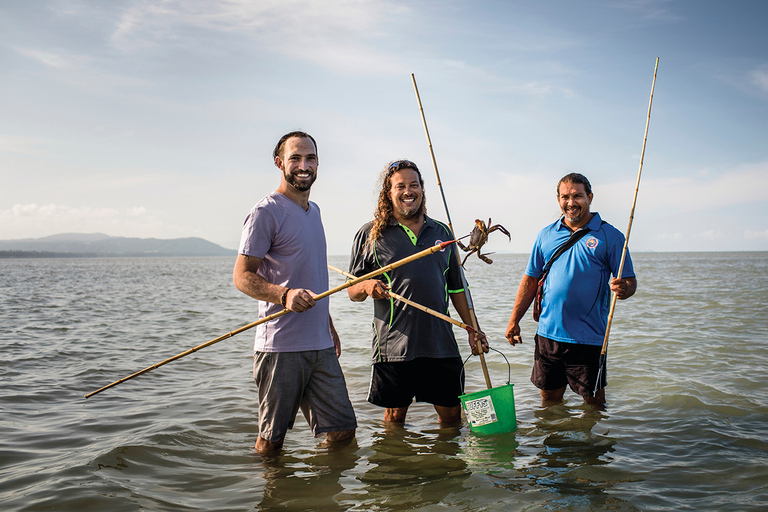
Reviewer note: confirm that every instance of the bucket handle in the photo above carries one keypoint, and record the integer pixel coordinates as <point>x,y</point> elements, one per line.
<point>509,367</point>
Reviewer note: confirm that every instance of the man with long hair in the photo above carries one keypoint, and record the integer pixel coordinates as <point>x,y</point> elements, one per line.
<point>415,355</point>
<point>282,263</point>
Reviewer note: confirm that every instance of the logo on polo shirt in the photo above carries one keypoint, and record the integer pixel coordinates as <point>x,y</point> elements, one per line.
<point>592,242</point>
<point>438,242</point>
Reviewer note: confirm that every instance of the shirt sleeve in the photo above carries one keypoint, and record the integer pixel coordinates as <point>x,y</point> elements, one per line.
<point>358,261</point>
<point>536,261</point>
<point>617,247</point>
<point>258,233</point>
<point>453,276</point>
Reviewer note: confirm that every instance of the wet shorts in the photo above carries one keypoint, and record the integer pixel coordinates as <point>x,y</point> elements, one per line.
<point>438,381</point>
<point>310,380</point>
<point>556,364</point>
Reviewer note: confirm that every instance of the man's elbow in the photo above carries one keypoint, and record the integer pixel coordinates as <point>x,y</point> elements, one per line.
<point>237,279</point>
<point>631,287</point>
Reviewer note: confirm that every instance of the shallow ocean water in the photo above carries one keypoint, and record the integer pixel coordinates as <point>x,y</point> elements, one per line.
<point>684,429</point>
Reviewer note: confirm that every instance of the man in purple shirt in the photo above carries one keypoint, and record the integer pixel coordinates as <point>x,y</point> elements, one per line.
<point>282,262</point>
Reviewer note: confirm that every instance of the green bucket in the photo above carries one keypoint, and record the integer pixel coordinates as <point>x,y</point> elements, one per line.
<point>491,411</point>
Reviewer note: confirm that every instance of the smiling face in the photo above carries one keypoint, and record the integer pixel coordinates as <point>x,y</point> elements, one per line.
<point>574,203</point>
<point>298,161</point>
<point>406,194</point>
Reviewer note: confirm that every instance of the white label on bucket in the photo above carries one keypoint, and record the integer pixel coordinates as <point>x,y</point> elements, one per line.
<point>480,411</point>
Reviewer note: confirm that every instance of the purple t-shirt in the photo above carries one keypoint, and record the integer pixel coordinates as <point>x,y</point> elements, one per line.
<point>291,243</point>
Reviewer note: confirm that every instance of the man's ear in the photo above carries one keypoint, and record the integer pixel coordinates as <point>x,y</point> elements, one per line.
<point>278,162</point>
<point>590,196</point>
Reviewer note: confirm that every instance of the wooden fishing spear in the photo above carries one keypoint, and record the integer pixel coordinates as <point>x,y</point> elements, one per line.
<point>464,283</point>
<point>408,259</point>
<point>604,351</point>
<point>423,308</point>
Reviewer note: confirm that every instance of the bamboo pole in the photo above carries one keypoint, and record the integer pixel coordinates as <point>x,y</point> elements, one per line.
<point>604,351</point>
<point>413,257</point>
<point>464,283</point>
<point>423,308</point>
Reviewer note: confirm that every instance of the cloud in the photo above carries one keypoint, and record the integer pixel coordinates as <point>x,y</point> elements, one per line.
<point>33,220</point>
<point>337,34</point>
<point>53,60</point>
<point>750,235</point>
<point>57,213</point>
<point>137,211</point>
<point>82,71</point>
<point>671,236</point>
<point>708,190</point>
<point>20,145</point>
<point>655,10</point>
<point>709,234</point>
<point>759,77</point>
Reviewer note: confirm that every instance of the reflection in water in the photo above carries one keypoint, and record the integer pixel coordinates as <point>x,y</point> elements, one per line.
<point>568,437</point>
<point>308,483</point>
<point>408,469</point>
<point>571,461</point>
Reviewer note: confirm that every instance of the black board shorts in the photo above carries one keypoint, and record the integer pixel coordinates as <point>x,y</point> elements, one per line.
<point>438,381</point>
<point>557,364</point>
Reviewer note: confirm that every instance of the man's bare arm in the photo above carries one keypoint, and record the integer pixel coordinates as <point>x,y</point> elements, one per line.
<point>370,287</point>
<point>248,281</point>
<point>526,292</point>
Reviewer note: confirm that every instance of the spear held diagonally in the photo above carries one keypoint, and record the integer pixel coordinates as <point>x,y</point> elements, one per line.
<point>604,351</point>
<point>416,305</point>
<point>464,283</point>
<point>387,268</point>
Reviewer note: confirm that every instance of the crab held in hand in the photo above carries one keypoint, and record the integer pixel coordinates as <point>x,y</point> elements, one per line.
<point>478,237</point>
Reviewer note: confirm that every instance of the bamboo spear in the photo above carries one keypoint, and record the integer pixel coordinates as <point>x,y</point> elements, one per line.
<point>423,308</point>
<point>604,351</point>
<point>413,257</point>
<point>464,283</point>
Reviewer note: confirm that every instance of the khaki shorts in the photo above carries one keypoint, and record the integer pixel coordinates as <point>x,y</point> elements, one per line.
<point>311,381</point>
<point>556,364</point>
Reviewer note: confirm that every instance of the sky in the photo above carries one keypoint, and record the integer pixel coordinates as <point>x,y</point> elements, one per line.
<point>157,118</point>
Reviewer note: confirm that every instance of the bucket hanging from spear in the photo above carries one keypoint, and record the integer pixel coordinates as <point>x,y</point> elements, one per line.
<point>484,415</point>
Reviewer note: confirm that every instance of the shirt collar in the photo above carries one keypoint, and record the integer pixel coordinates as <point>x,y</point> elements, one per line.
<point>427,222</point>
<point>593,224</point>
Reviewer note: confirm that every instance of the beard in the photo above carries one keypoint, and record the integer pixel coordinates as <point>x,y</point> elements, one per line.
<point>414,214</point>
<point>301,186</point>
<point>574,216</point>
<point>571,218</point>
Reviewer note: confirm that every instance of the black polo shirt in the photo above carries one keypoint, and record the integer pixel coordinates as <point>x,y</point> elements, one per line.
<point>402,332</point>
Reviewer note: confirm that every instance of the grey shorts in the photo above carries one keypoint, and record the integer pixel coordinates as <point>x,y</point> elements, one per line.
<point>311,381</point>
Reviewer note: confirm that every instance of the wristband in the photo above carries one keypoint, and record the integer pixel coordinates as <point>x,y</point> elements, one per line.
<point>284,298</point>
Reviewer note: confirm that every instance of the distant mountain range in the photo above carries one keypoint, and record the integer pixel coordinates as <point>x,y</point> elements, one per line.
<point>99,244</point>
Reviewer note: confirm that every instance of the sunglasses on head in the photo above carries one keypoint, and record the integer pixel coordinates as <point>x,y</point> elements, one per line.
<point>400,165</point>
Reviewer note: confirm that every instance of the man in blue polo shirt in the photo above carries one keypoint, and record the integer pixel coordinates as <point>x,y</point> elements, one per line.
<point>576,295</point>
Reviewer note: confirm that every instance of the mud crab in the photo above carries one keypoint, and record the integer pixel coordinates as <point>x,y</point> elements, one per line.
<point>478,237</point>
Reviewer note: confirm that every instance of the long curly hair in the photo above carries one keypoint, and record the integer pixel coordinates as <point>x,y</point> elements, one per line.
<point>383,214</point>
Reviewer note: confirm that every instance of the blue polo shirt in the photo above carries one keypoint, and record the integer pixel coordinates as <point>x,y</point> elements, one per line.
<point>576,292</point>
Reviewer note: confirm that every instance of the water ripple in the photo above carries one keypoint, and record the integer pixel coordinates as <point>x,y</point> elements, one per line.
<point>684,428</point>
